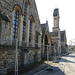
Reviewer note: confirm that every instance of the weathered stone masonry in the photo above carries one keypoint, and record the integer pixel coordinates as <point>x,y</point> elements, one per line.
<point>26,54</point>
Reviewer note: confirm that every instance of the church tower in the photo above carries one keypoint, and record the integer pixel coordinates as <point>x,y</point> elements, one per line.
<point>56,20</point>
<point>56,17</point>
<point>56,30</point>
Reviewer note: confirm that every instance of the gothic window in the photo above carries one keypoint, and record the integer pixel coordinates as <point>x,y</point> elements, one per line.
<point>36,39</point>
<point>24,21</point>
<point>15,27</point>
<point>0,30</point>
<point>30,29</point>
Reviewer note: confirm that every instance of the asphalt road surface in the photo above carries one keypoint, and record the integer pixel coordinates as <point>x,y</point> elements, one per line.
<point>66,66</point>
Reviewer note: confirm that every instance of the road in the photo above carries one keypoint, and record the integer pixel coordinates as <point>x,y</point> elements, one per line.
<point>66,66</point>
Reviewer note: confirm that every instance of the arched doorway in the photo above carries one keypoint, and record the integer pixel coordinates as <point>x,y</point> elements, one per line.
<point>45,46</point>
<point>47,42</point>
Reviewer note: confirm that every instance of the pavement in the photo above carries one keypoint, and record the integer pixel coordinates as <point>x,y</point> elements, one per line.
<point>35,70</point>
<point>66,66</point>
<point>52,69</point>
<point>69,64</point>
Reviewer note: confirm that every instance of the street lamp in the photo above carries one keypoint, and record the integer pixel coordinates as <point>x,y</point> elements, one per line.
<point>16,59</point>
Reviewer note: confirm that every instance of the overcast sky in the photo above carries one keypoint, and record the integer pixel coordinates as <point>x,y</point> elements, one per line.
<point>66,11</point>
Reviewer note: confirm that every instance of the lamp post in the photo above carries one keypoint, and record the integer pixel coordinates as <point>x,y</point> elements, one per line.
<point>47,54</point>
<point>55,54</point>
<point>16,59</point>
<point>55,50</point>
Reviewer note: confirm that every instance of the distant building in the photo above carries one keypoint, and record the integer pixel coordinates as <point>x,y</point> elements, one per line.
<point>55,34</point>
<point>64,47</point>
<point>46,39</point>
<point>58,37</point>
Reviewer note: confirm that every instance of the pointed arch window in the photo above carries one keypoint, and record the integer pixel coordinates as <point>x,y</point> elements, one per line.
<point>24,21</point>
<point>0,31</point>
<point>15,27</point>
<point>30,31</point>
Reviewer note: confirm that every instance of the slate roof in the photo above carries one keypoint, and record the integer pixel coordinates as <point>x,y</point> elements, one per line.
<point>56,12</point>
<point>4,17</point>
<point>54,34</point>
<point>43,26</point>
<point>62,36</point>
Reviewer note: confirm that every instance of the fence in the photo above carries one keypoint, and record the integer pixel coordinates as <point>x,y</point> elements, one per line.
<point>16,54</point>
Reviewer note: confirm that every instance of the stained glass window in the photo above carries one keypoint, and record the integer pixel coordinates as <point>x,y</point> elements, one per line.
<point>30,29</point>
<point>15,27</point>
<point>24,21</point>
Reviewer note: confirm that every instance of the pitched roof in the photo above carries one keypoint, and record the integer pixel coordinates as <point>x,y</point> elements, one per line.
<point>43,26</point>
<point>62,36</point>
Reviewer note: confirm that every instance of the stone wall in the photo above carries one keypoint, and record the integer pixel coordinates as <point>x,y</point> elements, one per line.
<point>26,56</point>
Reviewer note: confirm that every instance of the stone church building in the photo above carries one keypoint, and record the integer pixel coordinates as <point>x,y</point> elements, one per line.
<point>59,41</point>
<point>20,30</point>
<point>46,39</point>
<point>19,20</point>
